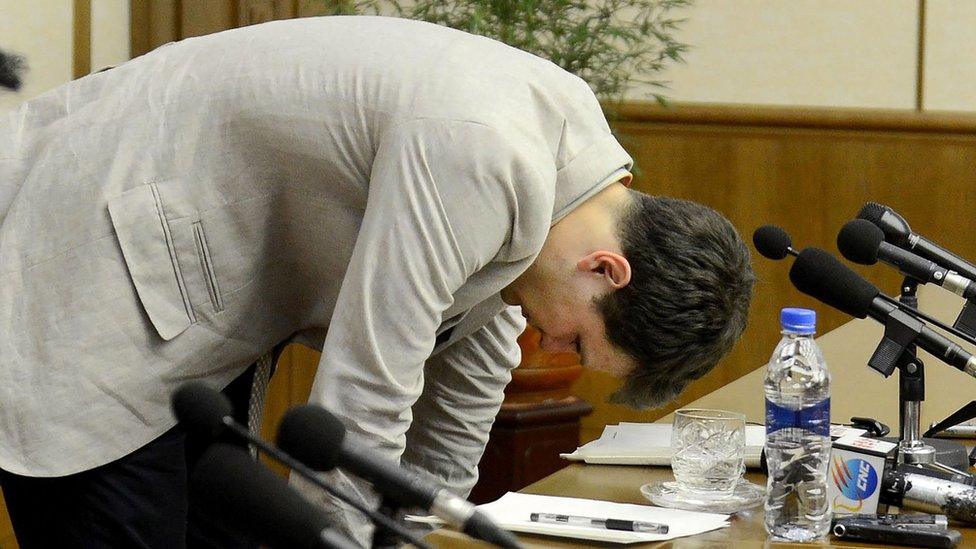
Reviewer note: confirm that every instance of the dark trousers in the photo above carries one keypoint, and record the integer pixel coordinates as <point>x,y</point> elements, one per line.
<point>138,501</point>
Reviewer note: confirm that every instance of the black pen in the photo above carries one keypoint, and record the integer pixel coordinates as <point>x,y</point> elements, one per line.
<point>609,523</point>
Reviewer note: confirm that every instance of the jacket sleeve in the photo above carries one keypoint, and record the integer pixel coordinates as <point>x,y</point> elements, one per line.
<point>464,390</point>
<point>441,205</point>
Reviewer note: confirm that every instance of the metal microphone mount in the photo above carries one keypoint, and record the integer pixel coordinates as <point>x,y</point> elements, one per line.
<point>897,350</point>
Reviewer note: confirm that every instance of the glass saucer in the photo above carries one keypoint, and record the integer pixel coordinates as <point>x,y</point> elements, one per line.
<point>666,494</point>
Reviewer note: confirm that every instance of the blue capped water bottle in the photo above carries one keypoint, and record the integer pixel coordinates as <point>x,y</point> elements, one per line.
<point>797,390</point>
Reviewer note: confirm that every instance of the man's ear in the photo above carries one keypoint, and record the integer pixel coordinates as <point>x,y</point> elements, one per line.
<point>612,267</point>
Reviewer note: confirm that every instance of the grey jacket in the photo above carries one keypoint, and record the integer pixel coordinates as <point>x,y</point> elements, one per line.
<point>361,183</point>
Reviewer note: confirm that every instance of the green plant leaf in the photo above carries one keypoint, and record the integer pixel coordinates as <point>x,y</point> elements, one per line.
<point>612,44</point>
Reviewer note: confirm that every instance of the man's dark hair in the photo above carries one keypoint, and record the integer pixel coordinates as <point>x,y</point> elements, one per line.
<point>11,67</point>
<point>687,301</point>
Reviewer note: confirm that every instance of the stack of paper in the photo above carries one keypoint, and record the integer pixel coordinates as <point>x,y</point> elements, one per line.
<point>512,511</point>
<point>649,444</point>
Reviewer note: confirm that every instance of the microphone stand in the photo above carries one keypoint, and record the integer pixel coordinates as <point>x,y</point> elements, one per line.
<point>308,474</point>
<point>912,449</point>
<point>911,392</point>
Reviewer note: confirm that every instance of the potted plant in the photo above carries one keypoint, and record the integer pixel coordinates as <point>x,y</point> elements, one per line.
<point>612,44</point>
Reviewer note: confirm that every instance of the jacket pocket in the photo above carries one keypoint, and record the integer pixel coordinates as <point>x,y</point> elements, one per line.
<point>207,266</point>
<point>150,255</point>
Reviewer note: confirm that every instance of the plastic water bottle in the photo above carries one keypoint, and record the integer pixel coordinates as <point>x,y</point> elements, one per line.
<point>797,432</point>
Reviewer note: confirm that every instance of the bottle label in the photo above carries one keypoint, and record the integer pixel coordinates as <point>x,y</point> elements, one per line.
<point>815,419</point>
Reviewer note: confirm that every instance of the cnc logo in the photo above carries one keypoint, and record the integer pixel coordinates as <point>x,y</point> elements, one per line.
<point>856,479</point>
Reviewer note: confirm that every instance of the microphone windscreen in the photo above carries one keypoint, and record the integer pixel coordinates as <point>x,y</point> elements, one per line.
<point>820,275</point>
<point>313,436</point>
<point>859,241</point>
<point>247,496</point>
<point>872,211</point>
<point>200,409</point>
<point>11,67</point>
<point>771,241</point>
<point>895,227</point>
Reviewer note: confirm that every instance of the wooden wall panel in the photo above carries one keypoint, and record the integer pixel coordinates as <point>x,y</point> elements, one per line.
<point>200,18</point>
<point>81,38</point>
<point>290,386</point>
<point>153,23</point>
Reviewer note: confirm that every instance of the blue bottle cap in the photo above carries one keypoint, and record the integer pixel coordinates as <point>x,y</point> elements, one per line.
<point>801,321</point>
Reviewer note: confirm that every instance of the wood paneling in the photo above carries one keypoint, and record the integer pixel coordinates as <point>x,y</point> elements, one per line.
<point>81,38</point>
<point>290,385</point>
<point>795,118</point>
<point>200,18</point>
<point>7,538</point>
<point>139,27</point>
<point>154,23</point>
<point>259,11</point>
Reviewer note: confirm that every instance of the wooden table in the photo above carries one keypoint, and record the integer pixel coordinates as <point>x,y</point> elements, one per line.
<point>622,484</point>
<point>856,391</point>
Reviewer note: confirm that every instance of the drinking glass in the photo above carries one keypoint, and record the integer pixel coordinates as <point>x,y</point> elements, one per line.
<point>709,451</point>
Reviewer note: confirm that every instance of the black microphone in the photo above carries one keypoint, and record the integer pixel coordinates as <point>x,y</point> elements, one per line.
<point>820,275</point>
<point>256,501</point>
<point>863,242</point>
<point>316,437</point>
<point>898,232</point>
<point>202,410</point>
<point>773,242</point>
<point>11,67</point>
<point>207,413</point>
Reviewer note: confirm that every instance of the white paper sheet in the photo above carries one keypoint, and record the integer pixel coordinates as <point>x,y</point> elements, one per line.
<point>649,444</point>
<point>512,511</point>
